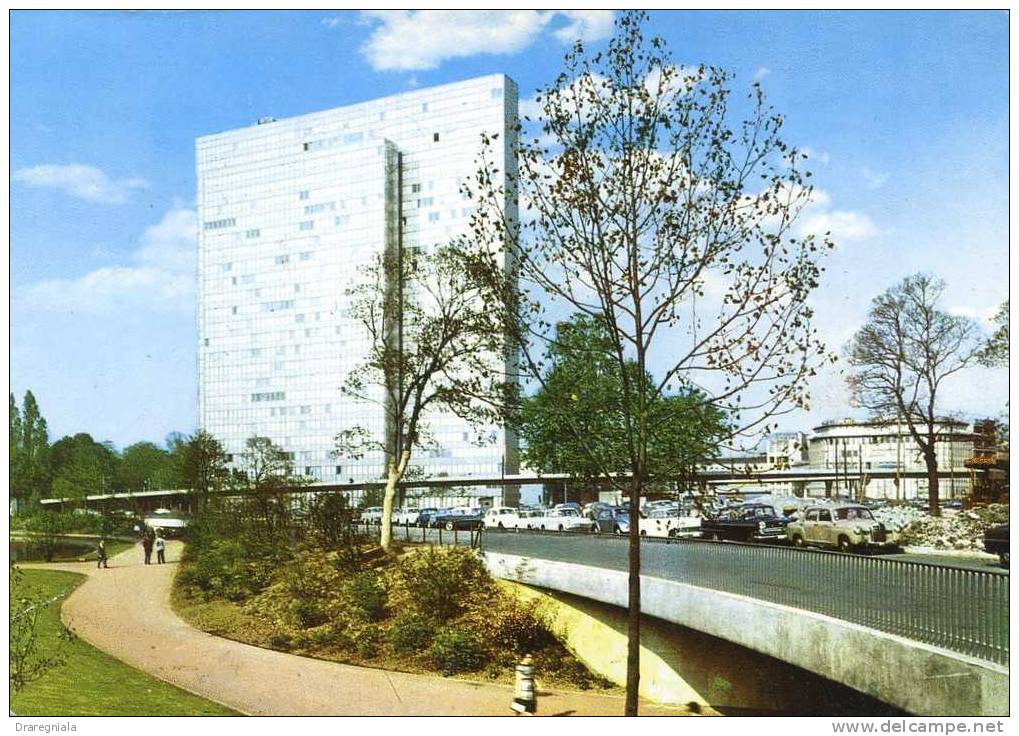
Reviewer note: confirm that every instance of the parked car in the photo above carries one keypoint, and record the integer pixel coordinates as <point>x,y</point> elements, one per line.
<point>570,505</point>
<point>372,515</point>
<point>459,518</point>
<point>501,517</point>
<point>406,517</point>
<point>613,520</point>
<point>749,522</point>
<point>844,526</point>
<point>670,522</point>
<point>524,519</point>
<point>996,542</point>
<point>425,515</point>
<point>562,520</point>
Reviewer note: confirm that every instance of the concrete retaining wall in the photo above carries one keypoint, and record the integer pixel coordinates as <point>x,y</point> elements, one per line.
<point>915,677</point>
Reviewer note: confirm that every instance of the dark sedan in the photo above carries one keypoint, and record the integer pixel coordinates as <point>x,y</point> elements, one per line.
<point>750,522</point>
<point>996,542</point>
<point>459,519</point>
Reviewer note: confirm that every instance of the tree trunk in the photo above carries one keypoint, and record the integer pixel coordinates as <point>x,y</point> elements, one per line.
<point>931,461</point>
<point>633,606</point>
<point>396,471</point>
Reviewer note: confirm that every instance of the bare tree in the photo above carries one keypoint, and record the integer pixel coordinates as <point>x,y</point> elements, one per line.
<point>902,356</point>
<point>431,348</point>
<point>645,208</point>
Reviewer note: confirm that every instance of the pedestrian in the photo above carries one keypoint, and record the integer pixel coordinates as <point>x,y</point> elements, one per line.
<point>101,554</point>
<point>147,542</point>
<point>524,699</point>
<point>160,549</point>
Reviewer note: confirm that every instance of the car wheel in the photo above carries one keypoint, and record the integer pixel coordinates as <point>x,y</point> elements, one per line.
<point>449,526</point>
<point>1003,558</point>
<point>595,529</point>
<point>617,530</point>
<point>798,541</point>
<point>560,527</point>
<point>501,526</point>
<point>643,532</point>
<point>844,545</point>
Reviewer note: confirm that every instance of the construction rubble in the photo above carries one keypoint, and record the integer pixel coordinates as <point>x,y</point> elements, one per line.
<point>954,530</point>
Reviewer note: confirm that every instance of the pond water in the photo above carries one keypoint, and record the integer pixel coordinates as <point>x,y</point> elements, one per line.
<point>32,550</point>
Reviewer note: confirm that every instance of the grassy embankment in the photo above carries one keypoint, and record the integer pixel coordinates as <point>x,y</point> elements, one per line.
<point>89,682</point>
<point>427,611</point>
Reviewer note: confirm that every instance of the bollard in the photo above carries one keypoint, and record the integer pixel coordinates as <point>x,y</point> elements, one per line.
<point>524,698</point>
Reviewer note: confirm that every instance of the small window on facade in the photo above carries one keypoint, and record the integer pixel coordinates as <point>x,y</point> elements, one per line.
<point>435,137</point>
<point>433,217</point>
<point>307,470</point>
<point>229,458</point>
<point>233,310</point>
<point>339,469</point>
<point>424,107</point>
<point>307,225</point>
<point>303,194</point>
<point>415,188</point>
<point>306,146</point>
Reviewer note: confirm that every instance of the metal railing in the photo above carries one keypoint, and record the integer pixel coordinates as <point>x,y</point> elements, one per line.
<point>960,609</point>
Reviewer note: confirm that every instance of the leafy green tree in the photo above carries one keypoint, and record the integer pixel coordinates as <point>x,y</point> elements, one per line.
<point>81,467</point>
<point>199,464</point>
<point>995,351</point>
<point>29,451</point>
<point>576,422</point>
<point>144,466</point>
<point>647,202</point>
<point>269,482</point>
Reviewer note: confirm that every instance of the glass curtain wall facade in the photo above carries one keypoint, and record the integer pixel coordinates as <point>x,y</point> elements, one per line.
<point>289,211</point>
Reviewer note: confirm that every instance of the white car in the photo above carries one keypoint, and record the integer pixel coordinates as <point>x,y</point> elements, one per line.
<point>501,517</point>
<point>372,515</point>
<point>562,520</point>
<point>405,517</point>
<point>667,522</point>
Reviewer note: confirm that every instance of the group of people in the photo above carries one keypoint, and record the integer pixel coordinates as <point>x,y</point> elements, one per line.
<point>152,539</point>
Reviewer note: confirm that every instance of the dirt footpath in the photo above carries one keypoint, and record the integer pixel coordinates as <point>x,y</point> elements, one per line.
<point>125,611</point>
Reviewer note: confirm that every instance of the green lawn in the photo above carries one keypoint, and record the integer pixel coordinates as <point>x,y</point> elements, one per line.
<point>91,683</point>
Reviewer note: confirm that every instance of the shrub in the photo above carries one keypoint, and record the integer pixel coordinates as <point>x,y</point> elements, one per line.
<point>220,570</point>
<point>281,641</point>
<point>308,614</point>
<point>367,640</point>
<point>458,650</point>
<point>368,591</point>
<point>521,627</point>
<point>441,583</point>
<point>411,633</point>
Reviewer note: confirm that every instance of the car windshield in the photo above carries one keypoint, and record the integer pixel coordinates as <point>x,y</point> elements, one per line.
<point>853,513</point>
<point>569,512</point>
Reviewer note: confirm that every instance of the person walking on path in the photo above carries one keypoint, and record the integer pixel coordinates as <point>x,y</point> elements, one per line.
<point>147,542</point>
<point>160,549</point>
<point>101,554</point>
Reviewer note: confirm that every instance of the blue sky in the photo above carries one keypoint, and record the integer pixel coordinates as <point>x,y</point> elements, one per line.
<point>906,114</point>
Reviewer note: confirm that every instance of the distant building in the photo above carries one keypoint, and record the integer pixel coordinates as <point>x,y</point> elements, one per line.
<point>854,450</point>
<point>787,450</point>
<point>289,210</point>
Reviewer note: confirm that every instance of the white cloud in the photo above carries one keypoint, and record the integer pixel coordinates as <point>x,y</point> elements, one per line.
<point>843,225</point>
<point>84,182</point>
<point>331,22</point>
<point>761,73</point>
<point>586,25</point>
<point>412,40</point>
<point>818,218</point>
<point>161,275</point>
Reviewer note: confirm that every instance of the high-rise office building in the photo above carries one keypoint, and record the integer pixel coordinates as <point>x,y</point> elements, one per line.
<point>289,212</point>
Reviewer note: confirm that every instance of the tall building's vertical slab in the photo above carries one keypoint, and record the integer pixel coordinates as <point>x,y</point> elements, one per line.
<point>289,212</point>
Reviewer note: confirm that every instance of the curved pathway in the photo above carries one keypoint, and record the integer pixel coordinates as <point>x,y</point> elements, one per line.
<point>125,611</point>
